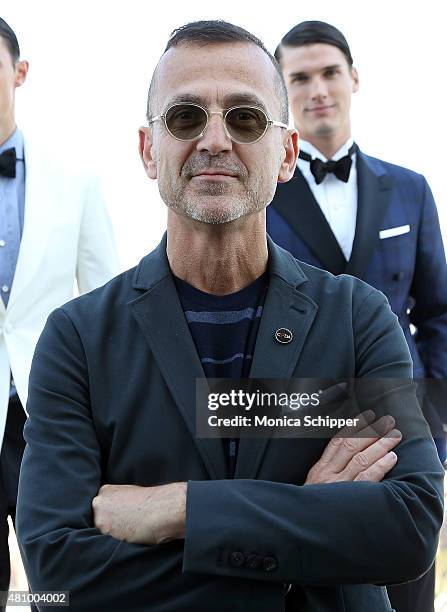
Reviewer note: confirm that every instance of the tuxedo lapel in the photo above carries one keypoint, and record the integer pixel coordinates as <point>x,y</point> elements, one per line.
<point>374,193</point>
<point>284,307</point>
<point>38,220</point>
<point>160,316</point>
<point>296,203</point>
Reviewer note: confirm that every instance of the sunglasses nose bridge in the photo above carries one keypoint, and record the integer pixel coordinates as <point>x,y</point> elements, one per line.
<point>219,112</point>
<point>208,123</point>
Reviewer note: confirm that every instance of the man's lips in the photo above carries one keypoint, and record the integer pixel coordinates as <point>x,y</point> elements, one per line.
<point>320,109</point>
<point>217,173</point>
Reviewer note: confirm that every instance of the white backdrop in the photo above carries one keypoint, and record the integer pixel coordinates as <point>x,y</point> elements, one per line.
<point>91,63</point>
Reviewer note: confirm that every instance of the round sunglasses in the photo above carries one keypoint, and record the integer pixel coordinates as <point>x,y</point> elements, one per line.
<point>243,124</point>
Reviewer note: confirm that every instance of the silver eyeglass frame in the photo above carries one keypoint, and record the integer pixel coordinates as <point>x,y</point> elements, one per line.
<point>223,113</point>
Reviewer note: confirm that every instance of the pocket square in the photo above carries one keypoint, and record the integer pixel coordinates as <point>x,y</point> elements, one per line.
<point>394,231</point>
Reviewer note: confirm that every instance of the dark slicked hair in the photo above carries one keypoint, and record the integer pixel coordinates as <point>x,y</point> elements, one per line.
<point>204,33</point>
<point>312,32</point>
<point>7,33</point>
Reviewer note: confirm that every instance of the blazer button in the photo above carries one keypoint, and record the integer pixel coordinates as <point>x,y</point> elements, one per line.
<point>237,559</point>
<point>397,276</point>
<point>269,564</point>
<point>253,561</point>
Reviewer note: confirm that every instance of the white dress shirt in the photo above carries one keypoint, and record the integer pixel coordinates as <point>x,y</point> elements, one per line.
<point>337,200</point>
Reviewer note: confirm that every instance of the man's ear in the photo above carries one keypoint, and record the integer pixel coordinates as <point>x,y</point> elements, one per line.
<point>288,164</point>
<point>21,70</point>
<point>145,148</point>
<point>355,79</point>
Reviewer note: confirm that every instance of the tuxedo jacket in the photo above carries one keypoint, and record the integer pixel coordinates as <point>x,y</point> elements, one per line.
<point>112,400</point>
<point>397,248</point>
<point>67,237</point>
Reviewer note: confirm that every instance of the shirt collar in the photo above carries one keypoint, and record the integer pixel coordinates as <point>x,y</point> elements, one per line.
<point>15,141</point>
<point>307,147</point>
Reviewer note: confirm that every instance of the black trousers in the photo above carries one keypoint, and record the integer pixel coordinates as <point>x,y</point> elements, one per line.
<point>417,596</point>
<point>10,460</point>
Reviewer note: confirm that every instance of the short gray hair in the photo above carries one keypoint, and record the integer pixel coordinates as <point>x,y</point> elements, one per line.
<point>215,32</point>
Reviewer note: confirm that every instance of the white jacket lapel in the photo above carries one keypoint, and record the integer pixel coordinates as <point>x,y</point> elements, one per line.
<point>39,212</point>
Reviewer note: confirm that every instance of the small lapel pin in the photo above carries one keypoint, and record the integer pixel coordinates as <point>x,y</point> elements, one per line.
<point>283,335</point>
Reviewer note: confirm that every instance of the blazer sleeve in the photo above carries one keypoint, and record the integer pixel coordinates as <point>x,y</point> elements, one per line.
<point>335,533</point>
<point>97,260</point>
<point>429,291</point>
<point>60,546</point>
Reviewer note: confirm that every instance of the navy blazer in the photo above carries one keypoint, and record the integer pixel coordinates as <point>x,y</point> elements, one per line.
<point>112,400</point>
<point>410,268</point>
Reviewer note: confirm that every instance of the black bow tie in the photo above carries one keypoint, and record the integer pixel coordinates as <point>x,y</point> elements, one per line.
<point>8,163</point>
<point>341,168</point>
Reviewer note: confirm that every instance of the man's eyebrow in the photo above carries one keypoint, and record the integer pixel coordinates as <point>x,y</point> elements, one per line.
<point>297,74</point>
<point>243,99</point>
<point>332,66</point>
<point>186,97</point>
<point>305,73</point>
<point>239,99</point>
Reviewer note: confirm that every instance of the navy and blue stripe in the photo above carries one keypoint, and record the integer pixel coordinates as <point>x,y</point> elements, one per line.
<point>224,327</point>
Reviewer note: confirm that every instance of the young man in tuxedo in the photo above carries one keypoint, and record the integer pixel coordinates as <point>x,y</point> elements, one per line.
<point>54,229</point>
<point>347,212</point>
<point>138,511</point>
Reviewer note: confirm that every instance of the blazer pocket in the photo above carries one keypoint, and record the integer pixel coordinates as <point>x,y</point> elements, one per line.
<point>394,231</point>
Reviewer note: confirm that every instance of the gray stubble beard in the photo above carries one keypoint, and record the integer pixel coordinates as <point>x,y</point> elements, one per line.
<point>215,216</point>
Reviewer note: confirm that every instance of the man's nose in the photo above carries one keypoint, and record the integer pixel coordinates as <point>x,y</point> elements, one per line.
<point>318,89</point>
<point>215,138</point>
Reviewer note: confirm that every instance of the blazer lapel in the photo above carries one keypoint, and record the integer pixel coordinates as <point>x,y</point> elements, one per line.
<point>176,355</point>
<point>285,307</point>
<point>160,316</point>
<point>296,203</point>
<point>374,192</point>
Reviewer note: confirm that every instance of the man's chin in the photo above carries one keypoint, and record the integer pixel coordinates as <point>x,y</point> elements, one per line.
<point>324,129</point>
<point>213,215</point>
<point>213,211</point>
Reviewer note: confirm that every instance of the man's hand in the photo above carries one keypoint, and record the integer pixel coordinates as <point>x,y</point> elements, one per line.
<point>364,456</point>
<point>141,515</point>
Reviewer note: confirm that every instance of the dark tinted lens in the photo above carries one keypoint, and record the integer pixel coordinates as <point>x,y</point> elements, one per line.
<point>246,124</point>
<point>185,121</point>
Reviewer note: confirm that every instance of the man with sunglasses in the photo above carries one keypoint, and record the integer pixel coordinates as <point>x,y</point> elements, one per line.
<point>347,212</point>
<point>120,502</point>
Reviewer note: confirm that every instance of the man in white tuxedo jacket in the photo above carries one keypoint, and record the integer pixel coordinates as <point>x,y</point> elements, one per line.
<point>54,229</point>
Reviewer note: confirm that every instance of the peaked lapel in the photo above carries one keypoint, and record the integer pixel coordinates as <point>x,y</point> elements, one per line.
<point>287,307</point>
<point>374,192</point>
<point>160,316</point>
<point>296,203</point>
<point>38,219</point>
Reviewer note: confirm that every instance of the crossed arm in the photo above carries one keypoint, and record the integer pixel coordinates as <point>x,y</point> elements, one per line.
<point>155,515</point>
